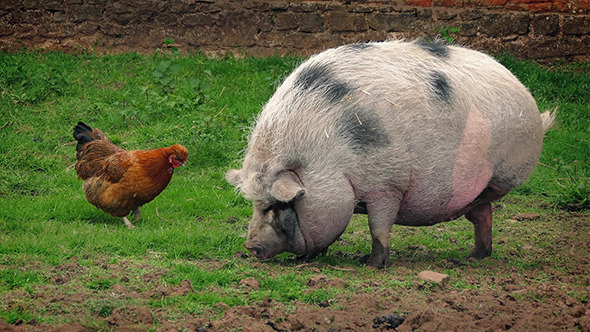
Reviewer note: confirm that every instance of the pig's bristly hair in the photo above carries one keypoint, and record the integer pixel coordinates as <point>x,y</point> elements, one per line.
<point>328,113</point>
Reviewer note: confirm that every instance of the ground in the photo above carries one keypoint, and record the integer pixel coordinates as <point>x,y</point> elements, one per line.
<point>549,291</point>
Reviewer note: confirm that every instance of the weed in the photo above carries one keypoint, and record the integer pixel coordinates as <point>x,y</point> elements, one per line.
<point>13,278</point>
<point>16,314</point>
<point>447,32</point>
<point>573,187</point>
<point>101,309</point>
<point>100,284</point>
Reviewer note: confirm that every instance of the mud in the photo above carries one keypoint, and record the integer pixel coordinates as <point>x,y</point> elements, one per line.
<point>490,295</point>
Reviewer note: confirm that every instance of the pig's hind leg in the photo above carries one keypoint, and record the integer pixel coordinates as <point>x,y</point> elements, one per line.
<point>382,208</point>
<point>480,214</point>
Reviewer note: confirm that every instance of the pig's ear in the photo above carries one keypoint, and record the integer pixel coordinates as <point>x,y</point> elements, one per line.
<point>286,188</point>
<point>234,177</point>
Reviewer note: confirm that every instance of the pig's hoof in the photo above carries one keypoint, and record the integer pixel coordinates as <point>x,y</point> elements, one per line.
<point>365,259</point>
<point>378,262</point>
<point>480,253</point>
<point>313,255</point>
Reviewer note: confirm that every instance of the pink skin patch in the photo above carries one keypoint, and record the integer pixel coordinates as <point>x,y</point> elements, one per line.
<point>472,171</point>
<point>175,163</point>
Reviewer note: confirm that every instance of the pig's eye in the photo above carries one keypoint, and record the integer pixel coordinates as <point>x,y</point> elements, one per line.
<point>268,209</point>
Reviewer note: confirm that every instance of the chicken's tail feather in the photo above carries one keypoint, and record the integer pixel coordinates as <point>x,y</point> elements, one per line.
<point>83,134</point>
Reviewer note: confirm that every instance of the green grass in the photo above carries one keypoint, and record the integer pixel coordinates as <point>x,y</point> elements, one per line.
<point>209,105</point>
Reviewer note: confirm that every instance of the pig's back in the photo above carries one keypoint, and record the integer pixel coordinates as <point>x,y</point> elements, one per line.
<point>437,123</point>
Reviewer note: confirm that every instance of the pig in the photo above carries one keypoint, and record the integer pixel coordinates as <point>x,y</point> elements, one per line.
<point>409,132</point>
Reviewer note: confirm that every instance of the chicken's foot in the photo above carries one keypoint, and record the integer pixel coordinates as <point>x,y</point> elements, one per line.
<point>128,223</point>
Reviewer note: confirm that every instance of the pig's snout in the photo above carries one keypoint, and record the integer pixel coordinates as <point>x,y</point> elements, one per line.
<point>257,250</point>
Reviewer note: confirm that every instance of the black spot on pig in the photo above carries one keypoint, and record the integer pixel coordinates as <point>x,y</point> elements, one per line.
<point>436,48</point>
<point>362,130</point>
<point>319,77</point>
<point>441,86</point>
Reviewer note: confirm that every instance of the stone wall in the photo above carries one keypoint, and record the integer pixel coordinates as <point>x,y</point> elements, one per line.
<point>533,29</point>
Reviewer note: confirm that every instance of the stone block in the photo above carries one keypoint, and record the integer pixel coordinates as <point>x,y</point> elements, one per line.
<point>345,22</point>
<point>87,28</point>
<point>396,22</point>
<point>446,15</point>
<point>362,9</point>
<point>198,20</point>
<point>470,15</point>
<point>6,31</point>
<point>81,13</point>
<point>502,25</point>
<point>41,5</point>
<point>546,25</point>
<point>467,29</point>
<point>286,21</point>
<point>306,7</point>
<point>576,25</point>
<point>279,5</point>
<point>58,17</point>
<point>311,23</point>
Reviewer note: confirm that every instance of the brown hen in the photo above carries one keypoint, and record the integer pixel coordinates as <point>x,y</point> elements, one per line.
<point>119,181</point>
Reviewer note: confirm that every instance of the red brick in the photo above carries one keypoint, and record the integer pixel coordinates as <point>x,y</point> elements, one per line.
<point>444,3</point>
<point>532,1</point>
<point>496,2</point>
<point>584,4</point>
<point>539,7</point>
<point>421,3</point>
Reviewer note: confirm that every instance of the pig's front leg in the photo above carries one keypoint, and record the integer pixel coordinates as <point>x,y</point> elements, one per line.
<point>382,208</point>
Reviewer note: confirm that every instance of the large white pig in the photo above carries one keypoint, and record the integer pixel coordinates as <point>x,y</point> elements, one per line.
<point>411,133</point>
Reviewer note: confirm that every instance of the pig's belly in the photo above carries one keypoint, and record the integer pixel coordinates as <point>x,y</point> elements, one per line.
<point>438,196</point>
<point>423,206</point>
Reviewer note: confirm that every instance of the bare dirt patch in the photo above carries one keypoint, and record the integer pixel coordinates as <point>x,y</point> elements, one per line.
<point>541,283</point>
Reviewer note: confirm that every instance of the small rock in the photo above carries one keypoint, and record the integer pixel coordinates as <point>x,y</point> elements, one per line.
<point>526,216</point>
<point>324,304</point>
<point>433,276</point>
<point>250,282</point>
<point>329,320</point>
<point>202,329</point>
<point>389,321</point>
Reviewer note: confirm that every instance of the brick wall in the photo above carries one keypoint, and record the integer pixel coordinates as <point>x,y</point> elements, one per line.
<point>534,29</point>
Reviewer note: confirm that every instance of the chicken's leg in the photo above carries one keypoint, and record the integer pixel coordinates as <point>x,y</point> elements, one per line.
<point>137,214</point>
<point>128,223</point>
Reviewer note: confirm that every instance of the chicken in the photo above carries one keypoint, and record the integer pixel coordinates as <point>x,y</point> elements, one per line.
<point>119,181</point>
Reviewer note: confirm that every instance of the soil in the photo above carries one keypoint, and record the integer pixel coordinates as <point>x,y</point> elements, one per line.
<point>477,297</point>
